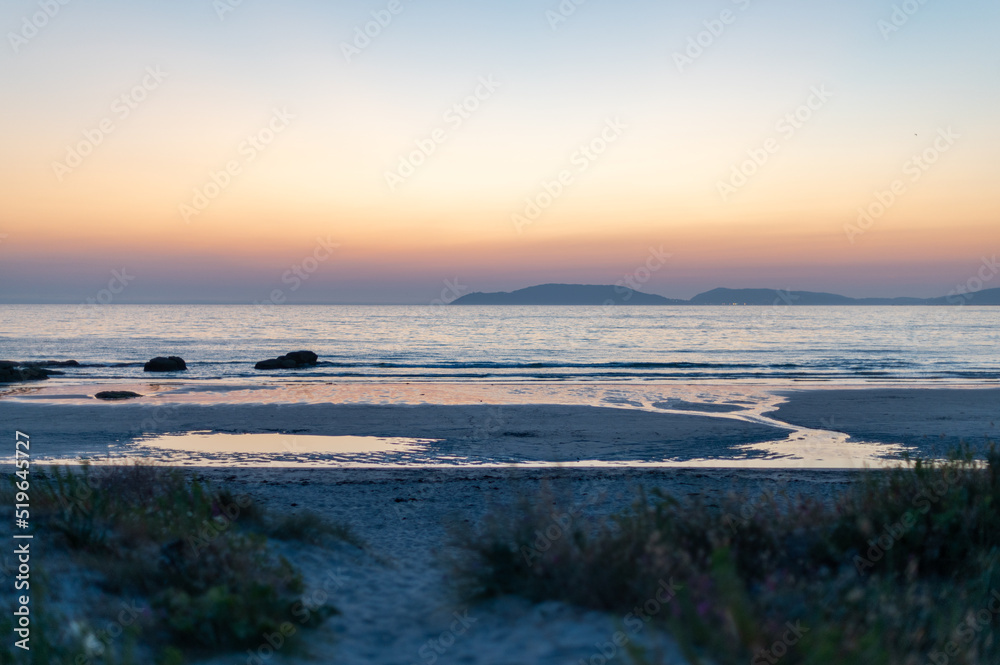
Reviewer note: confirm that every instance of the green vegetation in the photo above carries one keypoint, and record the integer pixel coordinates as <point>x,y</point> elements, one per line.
<point>192,563</point>
<point>904,568</point>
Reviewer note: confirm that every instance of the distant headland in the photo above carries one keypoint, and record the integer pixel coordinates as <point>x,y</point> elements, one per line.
<point>602,295</point>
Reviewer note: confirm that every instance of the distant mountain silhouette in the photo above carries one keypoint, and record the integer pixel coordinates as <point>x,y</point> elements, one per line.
<point>567,294</point>
<point>593,295</point>
<point>984,297</point>
<point>777,297</point>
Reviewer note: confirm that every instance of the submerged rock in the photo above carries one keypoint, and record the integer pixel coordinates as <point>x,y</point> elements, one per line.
<point>116,394</point>
<point>161,364</point>
<point>11,373</point>
<point>292,360</point>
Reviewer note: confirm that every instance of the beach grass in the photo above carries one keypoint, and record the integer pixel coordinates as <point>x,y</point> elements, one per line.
<point>197,558</point>
<point>904,567</point>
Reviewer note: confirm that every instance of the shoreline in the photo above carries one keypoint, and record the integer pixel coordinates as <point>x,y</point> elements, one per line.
<point>361,390</point>
<point>577,425</point>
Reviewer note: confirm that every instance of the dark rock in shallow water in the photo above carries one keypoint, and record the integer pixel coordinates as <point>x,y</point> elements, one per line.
<point>116,394</point>
<point>10,375</point>
<point>277,363</point>
<point>292,360</point>
<point>160,364</point>
<point>13,374</point>
<point>303,357</point>
<point>7,364</point>
<point>51,363</point>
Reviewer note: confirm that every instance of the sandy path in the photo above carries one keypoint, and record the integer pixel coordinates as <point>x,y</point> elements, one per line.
<point>391,611</point>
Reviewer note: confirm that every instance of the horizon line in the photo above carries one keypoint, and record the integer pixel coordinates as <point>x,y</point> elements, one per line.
<point>438,302</point>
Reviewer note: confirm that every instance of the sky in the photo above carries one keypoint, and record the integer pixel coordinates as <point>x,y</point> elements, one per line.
<point>407,151</point>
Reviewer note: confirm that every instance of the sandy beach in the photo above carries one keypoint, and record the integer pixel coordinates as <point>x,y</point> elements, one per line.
<point>395,597</point>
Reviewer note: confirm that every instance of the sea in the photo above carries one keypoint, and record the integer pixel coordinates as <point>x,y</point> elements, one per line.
<point>740,344</point>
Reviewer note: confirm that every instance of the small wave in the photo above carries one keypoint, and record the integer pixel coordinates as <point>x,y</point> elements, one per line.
<point>545,365</point>
<point>807,370</point>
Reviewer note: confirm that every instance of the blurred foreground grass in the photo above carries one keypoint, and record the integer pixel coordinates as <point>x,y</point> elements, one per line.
<point>181,569</point>
<point>903,568</point>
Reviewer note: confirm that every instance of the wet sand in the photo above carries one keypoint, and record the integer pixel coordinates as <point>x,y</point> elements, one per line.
<point>535,424</point>
<point>932,420</point>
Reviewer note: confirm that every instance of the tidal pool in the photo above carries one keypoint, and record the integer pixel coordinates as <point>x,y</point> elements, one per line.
<point>273,449</point>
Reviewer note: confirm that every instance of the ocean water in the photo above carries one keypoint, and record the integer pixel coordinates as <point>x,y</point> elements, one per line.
<point>370,343</point>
